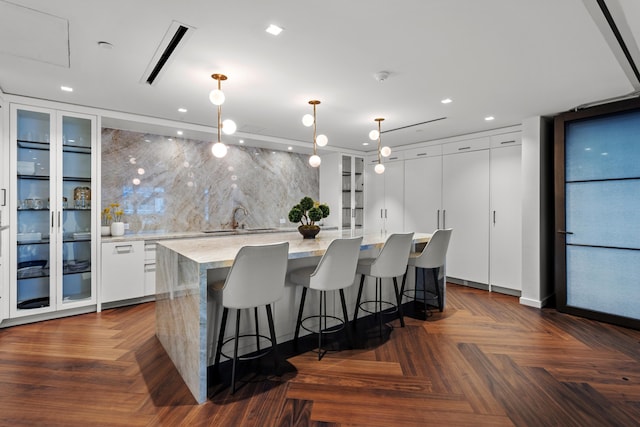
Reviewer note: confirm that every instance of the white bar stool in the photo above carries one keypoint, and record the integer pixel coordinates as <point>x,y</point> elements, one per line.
<point>432,257</point>
<point>255,279</point>
<point>390,263</point>
<point>335,271</point>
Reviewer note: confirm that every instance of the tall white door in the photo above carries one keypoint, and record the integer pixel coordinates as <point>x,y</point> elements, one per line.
<point>505,269</point>
<point>423,194</point>
<point>374,198</point>
<point>466,210</point>
<point>394,196</point>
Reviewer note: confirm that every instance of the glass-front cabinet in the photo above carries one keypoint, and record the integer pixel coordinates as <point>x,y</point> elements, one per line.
<point>54,249</point>
<point>352,192</point>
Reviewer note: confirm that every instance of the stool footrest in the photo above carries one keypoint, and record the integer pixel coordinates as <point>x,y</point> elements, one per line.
<point>330,330</point>
<point>260,354</point>
<point>392,308</point>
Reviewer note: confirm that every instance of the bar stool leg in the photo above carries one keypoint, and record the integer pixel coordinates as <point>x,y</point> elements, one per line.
<point>355,313</point>
<point>346,319</point>
<point>299,322</point>
<point>255,315</point>
<point>379,299</point>
<point>322,294</point>
<point>274,343</point>
<point>223,327</point>
<point>437,285</point>
<point>398,301</point>
<point>235,352</point>
<point>424,292</point>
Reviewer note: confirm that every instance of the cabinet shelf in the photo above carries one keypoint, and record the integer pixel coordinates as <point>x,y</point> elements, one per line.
<point>35,177</point>
<point>76,178</point>
<point>45,146</point>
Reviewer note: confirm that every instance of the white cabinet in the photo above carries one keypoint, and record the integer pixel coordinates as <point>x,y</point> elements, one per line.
<point>423,189</point>
<point>149,268</point>
<point>505,256</point>
<point>342,188</point>
<point>465,196</point>
<point>384,198</point>
<point>52,256</point>
<point>123,273</point>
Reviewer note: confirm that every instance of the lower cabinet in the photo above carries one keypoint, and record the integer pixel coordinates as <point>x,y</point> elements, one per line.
<point>123,272</point>
<point>149,268</point>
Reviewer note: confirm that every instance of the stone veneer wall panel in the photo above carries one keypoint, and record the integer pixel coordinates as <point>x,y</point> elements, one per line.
<point>183,187</point>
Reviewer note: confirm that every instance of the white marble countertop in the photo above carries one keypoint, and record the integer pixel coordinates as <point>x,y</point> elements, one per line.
<point>154,236</point>
<point>221,251</point>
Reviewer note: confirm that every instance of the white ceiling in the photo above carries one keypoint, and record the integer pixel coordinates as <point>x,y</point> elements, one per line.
<point>510,59</point>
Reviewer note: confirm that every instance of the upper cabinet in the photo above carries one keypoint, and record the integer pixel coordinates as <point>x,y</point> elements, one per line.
<point>342,188</point>
<point>53,175</point>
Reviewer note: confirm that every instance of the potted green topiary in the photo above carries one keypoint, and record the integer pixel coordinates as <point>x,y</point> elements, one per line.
<point>307,212</point>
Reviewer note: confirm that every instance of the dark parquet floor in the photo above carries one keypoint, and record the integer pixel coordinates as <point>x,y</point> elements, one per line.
<point>485,361</point>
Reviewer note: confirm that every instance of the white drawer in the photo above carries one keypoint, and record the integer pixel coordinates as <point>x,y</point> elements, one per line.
<point>416,153</point>
<point>466,145</point>
<point>506,139</point>
<point>150,251</point>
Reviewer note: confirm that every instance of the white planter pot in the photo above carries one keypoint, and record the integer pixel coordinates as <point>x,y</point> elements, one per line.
<point>117,228</point>
<point>105,230</point>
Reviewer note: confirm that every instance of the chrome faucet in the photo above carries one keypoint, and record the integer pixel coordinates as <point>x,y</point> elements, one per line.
<point>234,222</point>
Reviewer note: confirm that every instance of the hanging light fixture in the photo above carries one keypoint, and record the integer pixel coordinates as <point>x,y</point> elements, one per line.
<point>319,140</point>
<point>382,151</point>
<point>228,126</point>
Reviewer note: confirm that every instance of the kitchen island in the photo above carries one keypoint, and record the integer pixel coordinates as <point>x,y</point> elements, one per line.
<point>185,315</point>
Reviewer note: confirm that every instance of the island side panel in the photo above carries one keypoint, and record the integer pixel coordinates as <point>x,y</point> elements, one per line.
<point>181,317</point>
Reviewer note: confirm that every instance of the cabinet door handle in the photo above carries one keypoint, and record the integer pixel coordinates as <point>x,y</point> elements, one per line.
<point>381,214</point>
<point>52,219</point>
<point>121,249</point>
<point>464,148</point>
<point>508,142</point>
<point>385,214</point>
<point>494,217</point>
<point>565,232</point>
<point>438,219</point>
<point>58,219</point>
<point>421,154</point>
<point>444,218</point>
<point>4,197</point>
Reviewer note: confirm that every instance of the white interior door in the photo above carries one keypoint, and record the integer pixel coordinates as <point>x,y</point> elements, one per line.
<point>423,194</point>
<point>505,257</point>
<point>466,209</point>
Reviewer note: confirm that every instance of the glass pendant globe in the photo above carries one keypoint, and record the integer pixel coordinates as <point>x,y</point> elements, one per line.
<point>385,151</point>
<point>219,150</point>
<point>314,161</point>
<point>307,120</point>
<point>216,97</point>
<point>379,168</point>
<point>229,126</point>
<point>373,135</point>
<point>322,140</point>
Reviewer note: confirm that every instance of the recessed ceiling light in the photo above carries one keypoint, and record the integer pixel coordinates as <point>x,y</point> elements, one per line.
<point>66,89</point>
<point>105,45</point>
<point>179,132</point>
<point>273,29</point>
<point>289,148</point>
<point>489,118</point>
<point>447,101</point>
<point>182,110</point>
<point>365,143</point>
<point>241,141</point>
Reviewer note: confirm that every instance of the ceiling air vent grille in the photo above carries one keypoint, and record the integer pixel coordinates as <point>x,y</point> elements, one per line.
<point>173,38</point>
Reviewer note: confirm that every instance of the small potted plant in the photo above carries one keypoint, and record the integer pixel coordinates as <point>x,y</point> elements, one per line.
<point>307,212</point>
<point>112,218</point>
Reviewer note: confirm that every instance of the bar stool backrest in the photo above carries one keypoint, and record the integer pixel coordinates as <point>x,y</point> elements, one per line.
<point>337,268</point>
<point>257,276</point>
<point>393,258</point>
<point>434,253</point>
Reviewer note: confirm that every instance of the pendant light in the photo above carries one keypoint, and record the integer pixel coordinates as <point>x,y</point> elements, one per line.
<point>228,126</point>
<point>319,140</point>
<point>382,151</point>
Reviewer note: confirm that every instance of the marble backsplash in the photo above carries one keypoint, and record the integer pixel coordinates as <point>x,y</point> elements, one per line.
<point>174,184</point>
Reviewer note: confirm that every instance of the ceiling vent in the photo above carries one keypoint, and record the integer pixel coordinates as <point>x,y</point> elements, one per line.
<point>173,39</point>
<point>415,124</point>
